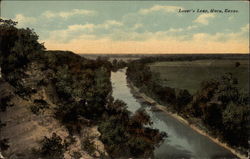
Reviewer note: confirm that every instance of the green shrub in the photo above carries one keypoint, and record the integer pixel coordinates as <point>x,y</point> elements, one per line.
<point>38,106</point>
<point>4,143</point>
<point>4,103</point>
<point>53,147</point>
<point>127,136</point>
<point>88,145</point>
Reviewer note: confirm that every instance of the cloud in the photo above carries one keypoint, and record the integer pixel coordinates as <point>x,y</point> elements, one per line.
<point>136,36</point>
<point>65,15</point>
<point>245,28</point>
<point>132,35</point>
<point>173,30</point>
<point>137,26</point>
<point>72,32</point>
<point>121,41</point>
<point>117,33</point>
<point>204,18</point>
<point>79,27</point>
<point>23,20</point>
<point>109,23</point>
<point>223,37</point>
<point>166,9</point>
<point>191,27</point>
<point>85,30</point>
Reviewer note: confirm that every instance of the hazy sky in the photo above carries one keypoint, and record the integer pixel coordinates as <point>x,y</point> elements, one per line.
<point>134,26</point>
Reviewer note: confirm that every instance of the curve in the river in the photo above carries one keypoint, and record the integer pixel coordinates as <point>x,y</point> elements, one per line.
<point>182,141</point>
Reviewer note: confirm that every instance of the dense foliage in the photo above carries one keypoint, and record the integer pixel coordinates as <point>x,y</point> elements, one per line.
<point>17,48</point>
<point>148,82</point>
<point>118,64</point>
<point>80,91</point>
<point>127,135</point>
<point>220,104</point>
<point>224,109</point>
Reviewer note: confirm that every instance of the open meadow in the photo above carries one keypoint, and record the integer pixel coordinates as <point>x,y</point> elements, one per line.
<point>189,74</point>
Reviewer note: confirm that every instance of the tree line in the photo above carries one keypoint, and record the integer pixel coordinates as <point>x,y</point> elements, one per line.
<point>219,103</point>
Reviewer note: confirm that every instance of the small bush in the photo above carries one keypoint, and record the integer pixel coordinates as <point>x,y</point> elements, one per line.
<point>52,148</point>
<point>4,103</point>
<point>4,144</point>
<point>39,105</point>
<point>88,145</point>
<point>237,64</point>
<point>76,155</point>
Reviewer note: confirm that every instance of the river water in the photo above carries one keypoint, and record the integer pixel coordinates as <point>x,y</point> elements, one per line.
<point>182,141</point>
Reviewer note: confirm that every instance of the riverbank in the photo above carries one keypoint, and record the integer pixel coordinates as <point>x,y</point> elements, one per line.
<point>194,126</point>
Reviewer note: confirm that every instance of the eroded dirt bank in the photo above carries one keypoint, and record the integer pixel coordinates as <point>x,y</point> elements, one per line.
<point>25,130</point>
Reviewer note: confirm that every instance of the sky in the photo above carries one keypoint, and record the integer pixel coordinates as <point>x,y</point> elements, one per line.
<point>135,26</point>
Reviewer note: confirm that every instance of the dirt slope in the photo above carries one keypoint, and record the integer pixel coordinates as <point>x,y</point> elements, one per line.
<point>25,130</point>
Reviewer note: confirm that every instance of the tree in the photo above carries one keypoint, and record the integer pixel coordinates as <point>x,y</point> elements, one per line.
<point>17,43</point>
<point>236,124</point>
<point>237,64</point>
<point>140,118</point>
<point>114,62</point>
<point>52,147</point>
<point>224,109</point>
<point>127,135</point>
<point>183,97</point>
<point>17,47</point>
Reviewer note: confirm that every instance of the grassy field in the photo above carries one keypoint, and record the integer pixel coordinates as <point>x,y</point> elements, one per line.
<point>189,74</point>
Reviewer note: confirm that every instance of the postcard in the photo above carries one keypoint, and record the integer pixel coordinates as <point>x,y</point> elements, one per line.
<point>122,79</point>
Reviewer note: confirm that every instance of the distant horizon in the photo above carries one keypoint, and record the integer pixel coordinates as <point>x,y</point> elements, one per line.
<point>154,53</point>
<point>163,53</point>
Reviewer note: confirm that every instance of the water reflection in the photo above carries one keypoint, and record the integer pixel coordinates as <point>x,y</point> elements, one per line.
<point>121,90</point>
<point>182,141</point>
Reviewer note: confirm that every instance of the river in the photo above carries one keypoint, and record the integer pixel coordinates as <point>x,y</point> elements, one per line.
<point>182,141</point>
